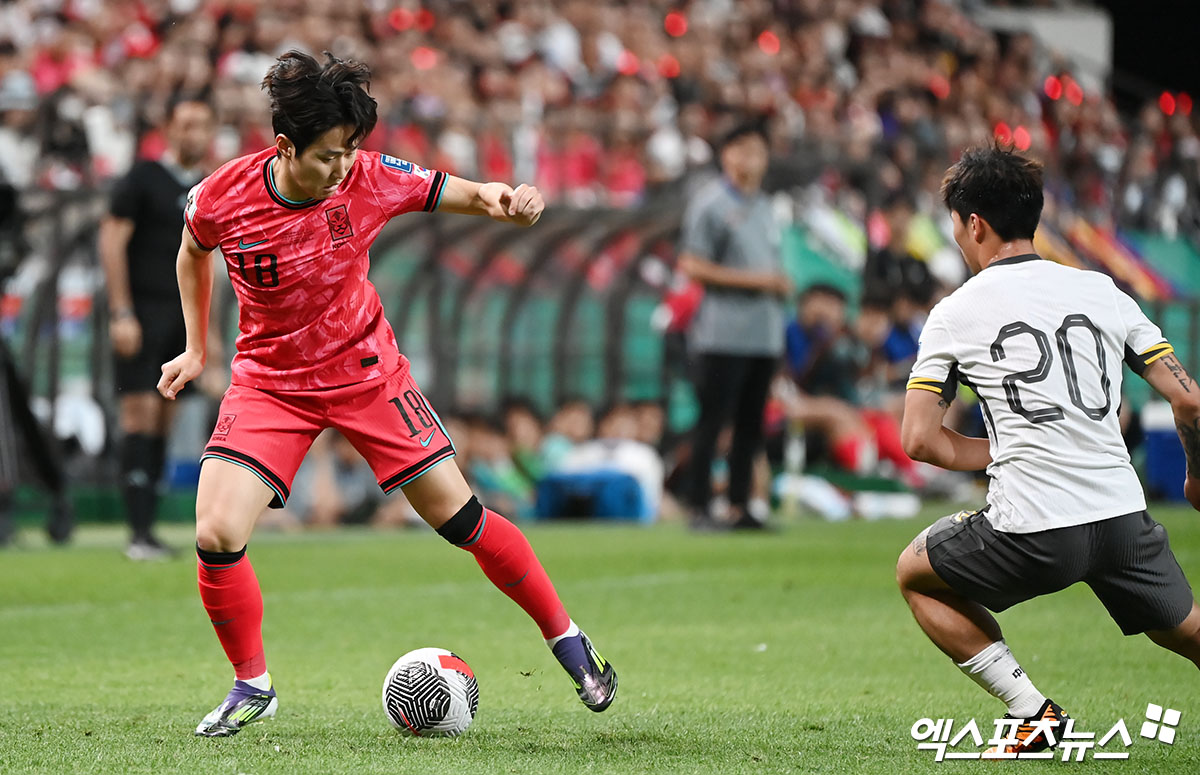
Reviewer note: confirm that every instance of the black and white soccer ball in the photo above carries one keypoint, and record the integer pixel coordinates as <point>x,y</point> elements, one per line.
<point>430,692</point>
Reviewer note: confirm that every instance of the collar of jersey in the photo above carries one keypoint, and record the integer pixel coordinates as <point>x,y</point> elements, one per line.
<point>269,182</point>
<point>1016,259</point>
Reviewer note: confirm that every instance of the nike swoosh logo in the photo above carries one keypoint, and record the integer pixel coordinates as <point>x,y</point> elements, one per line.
<point>425,441</point>
<point>242,245</point>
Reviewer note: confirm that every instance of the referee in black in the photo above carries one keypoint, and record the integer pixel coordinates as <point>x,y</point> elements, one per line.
<point>138,241</point>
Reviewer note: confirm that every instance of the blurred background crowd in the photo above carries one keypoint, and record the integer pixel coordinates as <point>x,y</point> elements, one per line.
<point>598,101</point>
<point>605,105</point>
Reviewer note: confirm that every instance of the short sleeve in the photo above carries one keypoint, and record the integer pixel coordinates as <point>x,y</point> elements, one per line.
<point>936,368</point>
<point>1144,341</point>
<point>126,199</point>
<point>698,233</point>
<point>197,216</point>
<point>403,187</point>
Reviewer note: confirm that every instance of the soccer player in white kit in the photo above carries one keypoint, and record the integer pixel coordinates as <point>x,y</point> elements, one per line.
<point>1042,346</point>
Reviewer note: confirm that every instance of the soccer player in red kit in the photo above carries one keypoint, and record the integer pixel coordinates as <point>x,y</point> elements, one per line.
<point>294,223</point>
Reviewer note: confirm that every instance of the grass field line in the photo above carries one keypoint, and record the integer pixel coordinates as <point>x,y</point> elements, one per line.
<point>344,594</point>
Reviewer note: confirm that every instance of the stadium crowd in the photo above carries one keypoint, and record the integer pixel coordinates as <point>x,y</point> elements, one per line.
<point>599,101</point>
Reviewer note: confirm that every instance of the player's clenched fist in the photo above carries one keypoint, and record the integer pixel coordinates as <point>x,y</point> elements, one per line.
<point>179,371</point>
<point>522,205</point>
<point>1191,491</point>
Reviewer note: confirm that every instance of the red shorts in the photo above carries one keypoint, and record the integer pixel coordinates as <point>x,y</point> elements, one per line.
<point>388,421</point>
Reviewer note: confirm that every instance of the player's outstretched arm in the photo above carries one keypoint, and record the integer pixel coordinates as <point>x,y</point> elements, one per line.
<point>926,439</point>
<point>193,267</point>
<point>522,205</point>
<point>1167,376</point>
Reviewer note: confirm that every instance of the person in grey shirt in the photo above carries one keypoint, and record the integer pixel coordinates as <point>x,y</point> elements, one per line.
<point>730,244</point>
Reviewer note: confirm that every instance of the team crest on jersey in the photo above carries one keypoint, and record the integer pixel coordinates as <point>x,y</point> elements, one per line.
<point>339,223</point>
<point>224,425</point>
<point>403,165</point>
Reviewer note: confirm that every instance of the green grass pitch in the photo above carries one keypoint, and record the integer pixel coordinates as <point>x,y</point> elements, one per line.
<point>790,652</point>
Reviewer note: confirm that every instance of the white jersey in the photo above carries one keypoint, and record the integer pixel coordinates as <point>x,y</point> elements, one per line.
<point>1042,345</point>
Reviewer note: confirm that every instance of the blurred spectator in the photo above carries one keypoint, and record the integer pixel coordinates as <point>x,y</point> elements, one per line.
<point>890,266</point>
<point>523,430</point>
<point>25,442</point>
<point>138,242</point>
<point>730,245</point>
<point>824,362</point>
<point>570,425</point>
<point>335,486</point>
<point>617,448</point>
<point>497,479</point>
<point>650,423</point>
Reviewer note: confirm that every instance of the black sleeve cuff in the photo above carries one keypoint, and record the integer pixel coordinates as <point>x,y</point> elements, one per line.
<point>946,388</point>
<point>1139,361</point>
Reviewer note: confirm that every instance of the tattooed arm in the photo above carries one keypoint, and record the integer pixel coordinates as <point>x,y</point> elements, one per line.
<point>925,438</point>
<point>1167,376</point>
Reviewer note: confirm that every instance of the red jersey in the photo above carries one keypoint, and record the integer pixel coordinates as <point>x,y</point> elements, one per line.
<point>309,319</point>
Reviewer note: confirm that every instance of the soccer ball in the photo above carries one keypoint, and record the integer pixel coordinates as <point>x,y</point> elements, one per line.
<point>430,693</point>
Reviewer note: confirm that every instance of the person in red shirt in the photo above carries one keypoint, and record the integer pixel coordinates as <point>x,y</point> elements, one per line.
<point>294,223</point>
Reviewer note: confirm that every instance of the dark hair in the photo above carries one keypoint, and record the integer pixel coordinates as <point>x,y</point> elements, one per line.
<point>308,98</point>
<point>754,126</point>
<point>898,199</point>
<point>1001,187</point>
<point>876,299</point>
<point>823,289</point>
<point>519,404</point>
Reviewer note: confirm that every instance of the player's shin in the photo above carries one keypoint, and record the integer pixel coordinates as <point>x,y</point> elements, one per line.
<point>996,670</point>
<point>231,596</point>
<point>508,561</point>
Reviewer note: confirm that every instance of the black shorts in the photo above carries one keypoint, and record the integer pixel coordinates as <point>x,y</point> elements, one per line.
<point>1126,560</point>
<point>163,338</point>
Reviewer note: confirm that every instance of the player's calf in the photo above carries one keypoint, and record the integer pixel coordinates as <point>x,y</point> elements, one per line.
<point>507,559</point>
<point>1184,639</point>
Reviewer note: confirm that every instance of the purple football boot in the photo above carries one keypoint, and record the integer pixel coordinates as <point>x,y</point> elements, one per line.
<point>243,705</point>
<point>595,680</point>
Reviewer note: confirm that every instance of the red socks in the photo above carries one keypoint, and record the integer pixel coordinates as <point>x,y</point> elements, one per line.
<point>230,593</point>
<point>887,439</point>
<point>853,454</point>
<point>508,561</point>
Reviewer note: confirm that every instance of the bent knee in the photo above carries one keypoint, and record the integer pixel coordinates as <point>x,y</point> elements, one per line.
<point>218,538</point>
<point>913,569</point>
<point>219,531</point>
<point>1184,637</point>
<point>904,570</point>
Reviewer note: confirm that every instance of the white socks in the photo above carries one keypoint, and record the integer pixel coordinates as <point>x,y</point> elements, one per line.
<point>996,670</point>
<point>260,682</point>
<point>571,632</point>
